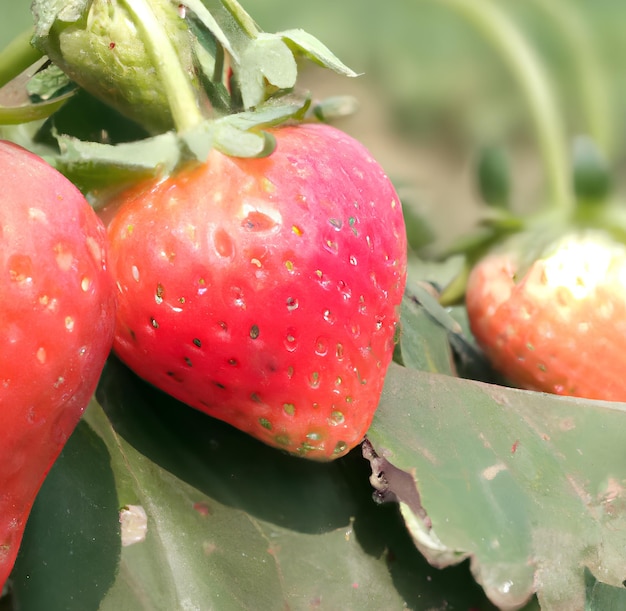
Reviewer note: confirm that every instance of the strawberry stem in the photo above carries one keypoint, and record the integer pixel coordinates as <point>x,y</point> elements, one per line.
<point>592,77</point>
<point>515,50</point>
<point>178,89</point>
<point>17,56</point>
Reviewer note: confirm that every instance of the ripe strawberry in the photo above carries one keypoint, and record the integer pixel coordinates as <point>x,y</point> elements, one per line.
<point>57,313</point>
<point>557,326</point>
<point>265,292</point>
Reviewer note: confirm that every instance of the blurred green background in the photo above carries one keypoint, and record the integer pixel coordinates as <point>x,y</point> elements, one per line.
<point>432,90</point>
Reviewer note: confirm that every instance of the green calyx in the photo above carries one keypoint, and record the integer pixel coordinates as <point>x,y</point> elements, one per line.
<point>169,65</point>
<point>103,46</point>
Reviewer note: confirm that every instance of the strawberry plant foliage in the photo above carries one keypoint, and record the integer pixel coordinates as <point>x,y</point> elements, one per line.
<point>231,522</point>
<point>528,488</point>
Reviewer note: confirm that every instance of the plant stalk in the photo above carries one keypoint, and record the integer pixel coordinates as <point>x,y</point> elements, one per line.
<point>178,88</point>
<point>498,28</point>
<point>593,81</point>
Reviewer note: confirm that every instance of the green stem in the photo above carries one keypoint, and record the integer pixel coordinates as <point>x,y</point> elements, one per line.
<point>18,55</point>
<point>178,89</point>
<point>592,77</point>
<point>243,19</point>
<point>515,50</point>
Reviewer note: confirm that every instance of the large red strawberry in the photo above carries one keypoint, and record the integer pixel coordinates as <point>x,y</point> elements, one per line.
<point>265,292</point>
<point>559,324</point>
<point>57,313</point>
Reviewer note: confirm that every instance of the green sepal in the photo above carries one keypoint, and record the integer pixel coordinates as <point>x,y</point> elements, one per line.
<point>95,166</point>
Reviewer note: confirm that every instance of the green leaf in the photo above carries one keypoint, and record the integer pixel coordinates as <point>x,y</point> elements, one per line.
<point>48,83</point>
<point>529,486</point>
<point>600,597</point>
<point>46,12</point>
<point>93,165</point>
<point>241,134</point>
<point>231,523</point>
<point>266,58</point>
<point>14,115</point>
<point>34,94</point>
<point>304,43</point>
<point>211,24</point>
<point>71,546</point>
<point>423,341</point>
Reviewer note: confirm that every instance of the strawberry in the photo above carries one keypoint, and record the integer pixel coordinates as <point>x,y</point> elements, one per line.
<point>558,325</point>
<point>57,313</point>
<point>265,292</point>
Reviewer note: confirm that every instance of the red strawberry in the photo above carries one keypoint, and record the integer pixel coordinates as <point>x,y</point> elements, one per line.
<point>57,313</point>
<point>265,292</point>
<point>557,326</point>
